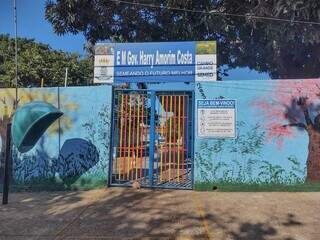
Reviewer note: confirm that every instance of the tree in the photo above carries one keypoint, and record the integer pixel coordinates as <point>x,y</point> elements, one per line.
<point>38,61</point>
<point>295,105</point>
<point>283,49</point>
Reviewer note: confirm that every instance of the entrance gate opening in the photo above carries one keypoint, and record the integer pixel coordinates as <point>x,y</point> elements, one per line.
<point>152,139</point>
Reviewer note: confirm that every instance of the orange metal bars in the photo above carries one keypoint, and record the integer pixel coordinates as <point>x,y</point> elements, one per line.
<point>187,139</point>
<point>145,141</point>
<point>124,149</point>
<point>129,138</point>
<point>166,139</point>
<point>137,139</point>
<point>170,139</point>
<point>141,136</point>
<point>133,129</point>
<point>183,136</point>
<point>133,120</point>
<point>171,163</point>
<point>162,136</point>
<point>174,136</point>
<point>172,128</point>
<point>117,150</point>
<point>121,120</point>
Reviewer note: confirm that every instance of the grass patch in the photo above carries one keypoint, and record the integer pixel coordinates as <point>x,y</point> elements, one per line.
<point>257,187</point>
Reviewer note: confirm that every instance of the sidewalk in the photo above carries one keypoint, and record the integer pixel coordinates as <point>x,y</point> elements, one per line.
<point>124,213</point>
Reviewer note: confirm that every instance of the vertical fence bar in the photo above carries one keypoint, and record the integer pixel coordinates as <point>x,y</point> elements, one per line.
<point>146,136</point>
<point>192,137</point>
<point>116,125</point>
<point>187,136</point>
<point>162,136</point>
<point>174,135</point>
<point>152,127</point>
<point>166,138</point>
<point>115,135</point>
<point>115,122</point>
<point>132,159</point>
<point>125,147</point>
<point>121,133</point>
<point>179,121</point>
<point>138,144</point>
<point>156,129</point>
<point>170,137</point>
<point>183,136</point>
<point>111,149</point>
<point>7,163</point>
<point>141,135</point>
<point>129,138</point>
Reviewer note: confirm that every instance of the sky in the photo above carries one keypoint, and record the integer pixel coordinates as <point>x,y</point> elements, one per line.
<point>32,24</point>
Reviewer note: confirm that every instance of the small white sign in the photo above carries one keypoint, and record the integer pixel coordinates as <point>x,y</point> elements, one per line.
<point>206,67</point>
<point>103,75</point>
<point>104,64</point>
<point>216,118</point>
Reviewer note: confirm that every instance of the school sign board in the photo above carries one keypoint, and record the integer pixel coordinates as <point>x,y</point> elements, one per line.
<point>155,62</point>
<point>216,118</point>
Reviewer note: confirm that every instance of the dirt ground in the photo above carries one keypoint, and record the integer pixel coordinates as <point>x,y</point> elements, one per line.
<point>125,213</point>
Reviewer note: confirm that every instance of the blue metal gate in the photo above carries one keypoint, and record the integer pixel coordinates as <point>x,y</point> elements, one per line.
<point>152,139</point>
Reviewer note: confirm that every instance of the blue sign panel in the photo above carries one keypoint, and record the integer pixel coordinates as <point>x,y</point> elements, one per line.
<point>155,62</point>
<point>158,62</point>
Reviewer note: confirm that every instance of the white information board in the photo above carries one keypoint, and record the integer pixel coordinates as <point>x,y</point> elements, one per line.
<point>216,118</point>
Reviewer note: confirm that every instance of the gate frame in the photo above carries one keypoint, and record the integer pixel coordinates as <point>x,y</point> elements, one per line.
<point>152,93</point>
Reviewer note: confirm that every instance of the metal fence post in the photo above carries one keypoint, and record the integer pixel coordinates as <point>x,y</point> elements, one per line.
<point>152,137</point>
<point>6,180</point>
<point>193,116</point>
<point>111,136</point>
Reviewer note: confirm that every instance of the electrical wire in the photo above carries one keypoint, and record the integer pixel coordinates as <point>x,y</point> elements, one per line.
<point>214,12</point>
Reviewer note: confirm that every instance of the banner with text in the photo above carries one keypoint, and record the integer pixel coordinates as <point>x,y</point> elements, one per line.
<point>155,62</point>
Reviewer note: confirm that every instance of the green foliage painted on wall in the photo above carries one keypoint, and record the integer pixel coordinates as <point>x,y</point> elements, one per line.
<point>98,130</point>
<point>239,161</point>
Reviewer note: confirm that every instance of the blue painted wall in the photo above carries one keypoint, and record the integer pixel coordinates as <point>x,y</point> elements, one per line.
<point>74,152</point>
<point>268,149</point>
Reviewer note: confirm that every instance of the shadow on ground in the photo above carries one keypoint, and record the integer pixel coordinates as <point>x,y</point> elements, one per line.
<point>121,213</point>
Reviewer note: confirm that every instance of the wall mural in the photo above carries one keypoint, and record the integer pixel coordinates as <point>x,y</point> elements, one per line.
<point>278,134</point>
<point>74,151</point>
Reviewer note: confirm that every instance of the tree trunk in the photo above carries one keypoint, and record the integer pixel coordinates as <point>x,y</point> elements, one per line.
<point>313,161</point>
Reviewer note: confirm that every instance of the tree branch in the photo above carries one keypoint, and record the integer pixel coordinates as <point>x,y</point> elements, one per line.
<point>307,116</point>
<point>302,102</point>
<point>318,94</point>
<point>300,125</point>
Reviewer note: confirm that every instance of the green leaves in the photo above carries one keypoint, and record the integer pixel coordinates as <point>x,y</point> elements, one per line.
<point>38,61</point>
<point>281,48</point>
